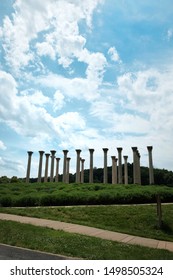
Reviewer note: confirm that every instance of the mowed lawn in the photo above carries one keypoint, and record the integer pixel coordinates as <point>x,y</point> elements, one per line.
<point>75,245</point>
<point>138,220</point>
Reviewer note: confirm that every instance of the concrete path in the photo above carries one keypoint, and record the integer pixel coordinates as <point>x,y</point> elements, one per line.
<point>90,231</point>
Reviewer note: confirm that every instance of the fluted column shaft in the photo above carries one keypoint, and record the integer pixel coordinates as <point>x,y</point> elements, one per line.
<point>135,171</point>
<point>105,174</point>
<point>46,168</point>
<point>119,165</point>
<point>57,170</point>
<point>28,166</point>
<point>78,166</point>
<point>82,170</point>
<point>40,166</point>
<point>65,166</point>
<point>138,168</point>
<point>52,165</point>
<point>151,171</point>
<point>91,166</point>
<point>68,169</point>
<point>113,169</point>
<point>125,170</point>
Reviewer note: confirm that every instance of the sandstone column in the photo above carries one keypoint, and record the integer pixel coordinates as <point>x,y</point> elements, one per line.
<point>91,166</point>
<point>65,166</point>
<point>125,170</point>
<point>57,170</point>
<point>52,165</point>
<point>151,171</point>
<point>135,170</point>
<point>105,175</point>
<point>28,166</point>
<point>113,169</point>
<point>82,170</point>
<point>40,166</point>
<point>68,169</point>
<point>138,168</point>
<point>119,165</point>
<point>78,166</point>
<point>46,167</point>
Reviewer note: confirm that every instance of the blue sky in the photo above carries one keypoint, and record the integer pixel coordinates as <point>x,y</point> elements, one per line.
<point>85,74</point>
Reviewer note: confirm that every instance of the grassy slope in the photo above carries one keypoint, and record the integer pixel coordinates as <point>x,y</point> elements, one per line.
<point>75,245</point>
<point>137,220</point>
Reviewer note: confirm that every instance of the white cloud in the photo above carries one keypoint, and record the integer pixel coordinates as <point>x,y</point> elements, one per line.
<point>58,101</point>
<point>2,146</point>
<point>114,54</point>
<point>57,19</point>
<point>169,34</point>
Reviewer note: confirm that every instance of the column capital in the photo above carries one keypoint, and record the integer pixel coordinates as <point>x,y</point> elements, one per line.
<point>58,158</point>
<point>78,151</point>
<point>30,153</point>
<point>47,154</point>
<point>65,151</point>
<point>53,152</point>
<point>113,157</point>
<point>105,149</point>
<point>125,157</point>
<point>149,148</point>
<point>119,149</point>
<point>41,152</point>
<point>91,150</point>
<point>68,159</point>
<point>82,159</point>
<point>134,149</point>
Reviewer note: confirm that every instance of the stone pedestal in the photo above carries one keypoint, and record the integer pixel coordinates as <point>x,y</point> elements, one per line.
<point>68,170</point>
<point>105,174</point>
<point>40,166</point>
<point>57,170</point>
<point>91,166</point>
<point>28,166</point>
<point>52,165</point>
<point>82,170</point>
<point>125,170</point>
<point>151,171</point>
<point>78,166</point>
<point>120,181</point>
<point>46,168</point>
<point>64,166</point>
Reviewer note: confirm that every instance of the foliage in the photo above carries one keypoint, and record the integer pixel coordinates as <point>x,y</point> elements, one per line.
<point>54,194</point>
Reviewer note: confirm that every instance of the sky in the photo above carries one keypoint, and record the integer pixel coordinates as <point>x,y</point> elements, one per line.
<point>85,74</point>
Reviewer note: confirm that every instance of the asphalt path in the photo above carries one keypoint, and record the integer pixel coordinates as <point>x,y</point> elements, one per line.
<point>8,252</point>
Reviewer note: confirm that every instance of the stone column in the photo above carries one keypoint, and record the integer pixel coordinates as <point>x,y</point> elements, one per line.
<point>57,170</point>
<point>151,171</point>
<point>91,166</point>
<point>116,177</point>
<point>46,168</point>
<point>40,166</point>
<point>105,175</point>
<point>78,166</point>
<point>28,166</point>
<point>52,165</point>
<point>65,166</point>
<point>138,168</point>
<point>119,165</point>
<point>68,169</point>
<point>82,170</point>
<point>125,170</point>
<point>135,169</point>
<point>113,169</point>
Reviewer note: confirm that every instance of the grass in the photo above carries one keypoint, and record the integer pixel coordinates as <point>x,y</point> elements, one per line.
<point>59,194</point>
<point>75,245</point>
<point>138,220</point>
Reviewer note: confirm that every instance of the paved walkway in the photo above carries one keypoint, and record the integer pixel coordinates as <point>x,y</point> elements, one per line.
<point>90,231</point>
